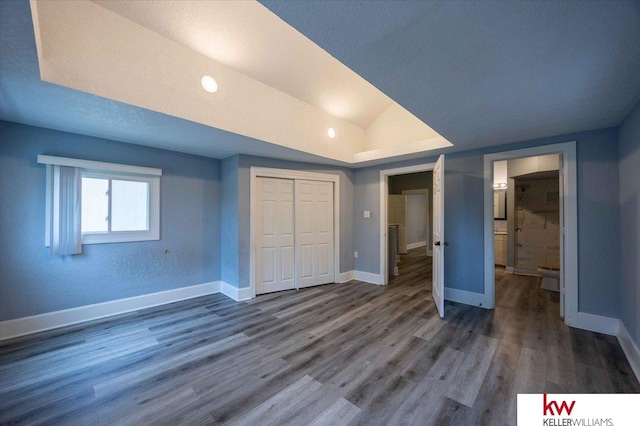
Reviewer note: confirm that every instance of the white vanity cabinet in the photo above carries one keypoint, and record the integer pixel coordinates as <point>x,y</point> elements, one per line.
<point>500,248</point>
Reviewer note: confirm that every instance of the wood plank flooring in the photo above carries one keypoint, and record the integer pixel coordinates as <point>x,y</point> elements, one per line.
<point>346,354</point>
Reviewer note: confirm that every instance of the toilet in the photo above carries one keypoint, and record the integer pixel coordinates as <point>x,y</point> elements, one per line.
<point>550,277</point>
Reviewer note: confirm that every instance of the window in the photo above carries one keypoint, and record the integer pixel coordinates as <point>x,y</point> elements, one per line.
<point>119,203</point>
<point>117,207</point>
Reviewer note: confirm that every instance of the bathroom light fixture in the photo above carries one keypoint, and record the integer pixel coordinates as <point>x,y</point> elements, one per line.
<point>209,84</point>
<point>499,186</point>
<point>331,133</point>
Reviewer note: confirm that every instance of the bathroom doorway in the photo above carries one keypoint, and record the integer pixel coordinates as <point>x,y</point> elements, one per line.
<point>533,174</point>
<point>527,223</point>
<point>537,221</point>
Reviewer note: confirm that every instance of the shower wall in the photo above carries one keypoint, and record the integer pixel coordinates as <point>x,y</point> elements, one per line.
<point>537,211</point>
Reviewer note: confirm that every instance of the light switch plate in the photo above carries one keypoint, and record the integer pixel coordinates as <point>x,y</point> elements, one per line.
<point>367,214</point>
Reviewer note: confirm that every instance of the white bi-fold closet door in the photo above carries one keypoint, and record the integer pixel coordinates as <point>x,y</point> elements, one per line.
<point>313,232</point>
<point>294,234</point>
<point>275,231</point>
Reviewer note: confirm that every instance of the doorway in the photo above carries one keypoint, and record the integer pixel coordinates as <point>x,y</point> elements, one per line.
<point>527,221</point>
<point>386,182</point>
<point>409,220</point>
<point>438,221</point>
<point>568,230</point>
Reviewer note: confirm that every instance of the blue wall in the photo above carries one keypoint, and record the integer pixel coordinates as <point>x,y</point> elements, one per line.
<point>33,282</point>
<point>630,222</point>
<point>229,268</point>
<point>598,218</point>
<point>205,222</point>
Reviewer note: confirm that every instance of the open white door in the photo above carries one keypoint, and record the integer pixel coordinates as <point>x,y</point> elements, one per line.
<point>438,235</point>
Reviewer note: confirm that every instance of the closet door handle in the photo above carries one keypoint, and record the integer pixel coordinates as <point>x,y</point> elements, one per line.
<point>437,243</point>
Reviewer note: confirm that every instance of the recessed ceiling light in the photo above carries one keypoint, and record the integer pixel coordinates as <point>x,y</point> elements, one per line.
<point>209,84</point>
<point>331,133</point>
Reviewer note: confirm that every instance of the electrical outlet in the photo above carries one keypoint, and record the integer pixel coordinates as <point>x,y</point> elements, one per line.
<point>355,254</point>
<point>367,214</point>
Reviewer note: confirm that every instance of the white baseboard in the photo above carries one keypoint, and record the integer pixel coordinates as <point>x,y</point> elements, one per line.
<point>36,323</point>
<point>509,269</point>
<point>235,293</point>
<point>597,323</point>
<point>416,245</point>
<point>346,276</point>
<point>368,277</point>
<point>630,349</point>
<point>463,296</point>
<point>526,271</point>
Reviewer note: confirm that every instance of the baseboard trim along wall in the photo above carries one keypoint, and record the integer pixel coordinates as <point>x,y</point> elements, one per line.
<point>368,277</point>
<point>466,297</point>
<point>347,276</point>
<point>37,323</point>
<point>416,245</point>
<point>235,293</point>
<point>597,323</point>
<point>630,349</point>
<point>525,271</point>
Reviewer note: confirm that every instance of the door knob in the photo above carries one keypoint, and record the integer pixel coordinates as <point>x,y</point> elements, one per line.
<point>437,243</point>
<point>446,243</point>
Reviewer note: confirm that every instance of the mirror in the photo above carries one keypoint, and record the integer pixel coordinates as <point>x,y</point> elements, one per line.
<point>500,204</point>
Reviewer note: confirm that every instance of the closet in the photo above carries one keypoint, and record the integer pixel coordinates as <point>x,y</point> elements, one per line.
<point>294,234</point>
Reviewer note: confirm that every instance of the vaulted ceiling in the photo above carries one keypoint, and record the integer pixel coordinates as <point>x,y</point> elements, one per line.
<point>396,80</point>
<point>488,72</point>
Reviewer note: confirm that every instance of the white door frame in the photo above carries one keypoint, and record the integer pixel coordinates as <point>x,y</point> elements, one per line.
<point>568,244</point>
<point>384,191</point>
<point>293,174</point>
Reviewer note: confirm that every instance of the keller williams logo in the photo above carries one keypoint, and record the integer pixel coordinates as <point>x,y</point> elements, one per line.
<point>548,407</point>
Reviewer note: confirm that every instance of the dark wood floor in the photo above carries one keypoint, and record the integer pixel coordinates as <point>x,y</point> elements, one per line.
<point>352,353</point>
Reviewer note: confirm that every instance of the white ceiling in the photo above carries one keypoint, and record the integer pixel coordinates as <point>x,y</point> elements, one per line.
<point>250,39</point>
<point>480,73</point>
<point>285,95</point>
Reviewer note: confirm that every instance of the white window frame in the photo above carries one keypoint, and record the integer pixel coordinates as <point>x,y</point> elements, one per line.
<point>117,172</point>
<point>150,234</point>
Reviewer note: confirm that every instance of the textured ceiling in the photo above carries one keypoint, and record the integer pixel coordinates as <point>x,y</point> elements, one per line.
<point>24,98</point>
<point>487,72</point>
<point>480,73</point>
<point>256,43</point>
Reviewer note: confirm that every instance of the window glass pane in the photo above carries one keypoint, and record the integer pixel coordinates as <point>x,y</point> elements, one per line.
<point>129,205</point>
<point>95,205</point>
